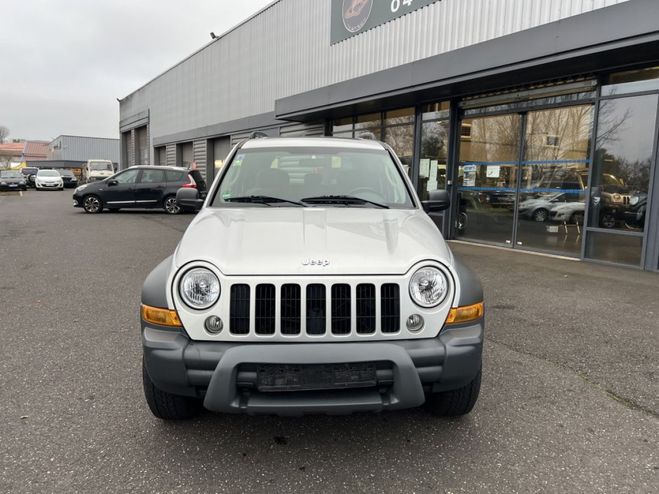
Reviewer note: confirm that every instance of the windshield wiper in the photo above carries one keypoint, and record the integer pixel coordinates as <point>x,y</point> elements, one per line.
<point>345,200</point>
<point>262,200</point>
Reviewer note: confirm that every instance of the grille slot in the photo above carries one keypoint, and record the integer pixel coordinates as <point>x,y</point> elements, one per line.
<point>341,309</point>
<point>316,309</point>
<point>291,309</point>
<point>390,307</point>
<point>264,316</point>
<point>365,308</point>
<point>239,310</point>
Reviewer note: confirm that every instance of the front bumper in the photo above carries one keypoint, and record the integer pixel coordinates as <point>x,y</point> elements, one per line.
<point>220,372</point>
<point>49,186</point>
<point>12,187</point>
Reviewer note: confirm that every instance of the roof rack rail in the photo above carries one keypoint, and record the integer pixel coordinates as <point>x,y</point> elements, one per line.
<point>367,136</point>
<point>258,135</point>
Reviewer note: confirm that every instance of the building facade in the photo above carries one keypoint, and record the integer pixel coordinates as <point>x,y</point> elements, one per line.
<point>83,148</point>
<point>539,116</point>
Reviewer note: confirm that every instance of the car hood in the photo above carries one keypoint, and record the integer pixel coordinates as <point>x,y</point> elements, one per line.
<point>12,180</point>
<point>530,203</point>
<point>287,241</point>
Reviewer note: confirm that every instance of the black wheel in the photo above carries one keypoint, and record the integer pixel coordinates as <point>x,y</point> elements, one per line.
<point>170,205</point>
<point>92,204</point>
<point>457,402</point>
<point>608,220</point>
<point>461,222</point>
<point>167,406</point>
<point>540,215</point>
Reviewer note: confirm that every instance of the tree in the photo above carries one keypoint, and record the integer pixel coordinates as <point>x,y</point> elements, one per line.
<point>4,132</point>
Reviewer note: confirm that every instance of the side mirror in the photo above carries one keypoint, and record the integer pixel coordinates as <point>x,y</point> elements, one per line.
<point>438,200</point>
<point>189,199</point>
<point>112,183</point>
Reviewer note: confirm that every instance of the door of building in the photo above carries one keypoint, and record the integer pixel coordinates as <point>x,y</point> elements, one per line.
<point>523,177</point>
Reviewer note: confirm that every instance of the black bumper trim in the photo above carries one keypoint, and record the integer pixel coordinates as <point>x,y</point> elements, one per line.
<point>209,370</point>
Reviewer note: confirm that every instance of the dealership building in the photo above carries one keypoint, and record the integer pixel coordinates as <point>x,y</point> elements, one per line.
<point>539,116</point>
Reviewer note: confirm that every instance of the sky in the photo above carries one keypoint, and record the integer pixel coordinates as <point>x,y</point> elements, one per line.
<point>65,62</point>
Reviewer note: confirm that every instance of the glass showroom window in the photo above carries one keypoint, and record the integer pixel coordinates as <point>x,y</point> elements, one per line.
<point>433,160</point>
<point>399,134</point>
<point>621,177</point>
<point>343,127</point>
<point>396,128</point>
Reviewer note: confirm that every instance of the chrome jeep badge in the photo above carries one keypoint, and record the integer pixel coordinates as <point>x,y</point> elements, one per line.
<point>316,262</point>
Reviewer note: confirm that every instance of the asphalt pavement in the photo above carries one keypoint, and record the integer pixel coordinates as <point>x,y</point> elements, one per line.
<point>569,400</point>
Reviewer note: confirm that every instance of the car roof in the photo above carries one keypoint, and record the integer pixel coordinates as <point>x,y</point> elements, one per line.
<point>157,167</point>
<point>326,142</point>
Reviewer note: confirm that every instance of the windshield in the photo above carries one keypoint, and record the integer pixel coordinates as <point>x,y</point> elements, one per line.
<point>48,173</point>
<point>100,166</point>
<point>66,173</point>
<point>369,177</point>
<point>8,174</point>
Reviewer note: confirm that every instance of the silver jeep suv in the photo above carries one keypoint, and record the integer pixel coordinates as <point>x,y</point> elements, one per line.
<point>312,281</point>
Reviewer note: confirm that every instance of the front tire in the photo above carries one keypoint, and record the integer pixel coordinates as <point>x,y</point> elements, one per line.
<point>540,215</point>
<point>167,406</point>
<point>170,205</point>
<point>92,204</point>
<point>456,402</point>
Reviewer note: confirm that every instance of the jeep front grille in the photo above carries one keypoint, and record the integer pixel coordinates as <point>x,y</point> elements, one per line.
<point>348,310</point>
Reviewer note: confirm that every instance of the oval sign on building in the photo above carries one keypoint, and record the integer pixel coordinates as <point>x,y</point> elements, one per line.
<point>356,13</point>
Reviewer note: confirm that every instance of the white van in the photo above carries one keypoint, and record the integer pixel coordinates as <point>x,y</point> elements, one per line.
<point>95,170</point>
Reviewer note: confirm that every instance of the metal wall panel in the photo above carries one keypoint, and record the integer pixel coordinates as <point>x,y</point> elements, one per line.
<point>303,130</point>
<point>199,152</point>
<point>78,148</point>
<point>285,50</point>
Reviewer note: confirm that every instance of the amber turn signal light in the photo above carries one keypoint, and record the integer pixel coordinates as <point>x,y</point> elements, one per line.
<point>465,314</point>
<point>161,317</point>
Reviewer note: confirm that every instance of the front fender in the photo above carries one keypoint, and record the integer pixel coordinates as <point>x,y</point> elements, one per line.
<point>154,290</point>
<point>471,290</point>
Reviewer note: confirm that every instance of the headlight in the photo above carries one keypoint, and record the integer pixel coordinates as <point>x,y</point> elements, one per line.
<point>81,188</point>
<point>199,288</point>
<point>428,287</point>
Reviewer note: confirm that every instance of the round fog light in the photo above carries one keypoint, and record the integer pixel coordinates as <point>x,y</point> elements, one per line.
<point>213,324</point>
<point>415,323</point>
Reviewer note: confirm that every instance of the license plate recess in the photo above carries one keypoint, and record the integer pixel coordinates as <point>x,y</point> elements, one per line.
<point>309,377</point>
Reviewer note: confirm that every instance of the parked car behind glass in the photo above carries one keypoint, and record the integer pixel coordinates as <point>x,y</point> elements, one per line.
<point>138,187</point>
